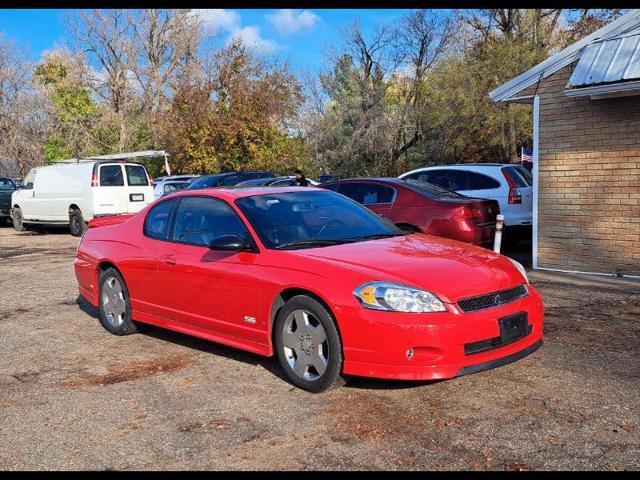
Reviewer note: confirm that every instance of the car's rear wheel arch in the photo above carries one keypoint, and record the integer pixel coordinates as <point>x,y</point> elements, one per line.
<point>104,266</point>
<point>289,293</point>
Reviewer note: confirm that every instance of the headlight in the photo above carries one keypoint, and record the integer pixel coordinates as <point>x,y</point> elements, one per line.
<point>520,268</point>
<point>397,298</point>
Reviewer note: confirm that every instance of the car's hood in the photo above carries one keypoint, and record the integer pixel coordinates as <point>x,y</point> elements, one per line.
<point>448,268</point>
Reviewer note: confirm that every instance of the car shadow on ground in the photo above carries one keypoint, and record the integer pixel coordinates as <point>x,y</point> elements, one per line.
<point>177,338</point>
<point>268,363</point>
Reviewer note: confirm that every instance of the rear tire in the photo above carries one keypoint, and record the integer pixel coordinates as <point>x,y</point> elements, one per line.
<point>308,345</point>
<point>76,223</point>
<point>3,221</point>
<point>17,220</point>
<point>114,304</point>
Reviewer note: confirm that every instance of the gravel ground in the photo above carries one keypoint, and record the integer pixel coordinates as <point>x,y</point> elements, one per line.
<point>72,396</point>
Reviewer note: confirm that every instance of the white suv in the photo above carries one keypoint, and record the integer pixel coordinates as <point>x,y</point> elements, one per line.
<point>510,184</point>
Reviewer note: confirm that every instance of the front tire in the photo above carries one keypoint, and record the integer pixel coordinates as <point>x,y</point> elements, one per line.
<point>114,303</point>
<point>17,219</point>
<point>76,223</point>
<point>3,221</point>
<point>308,345</point>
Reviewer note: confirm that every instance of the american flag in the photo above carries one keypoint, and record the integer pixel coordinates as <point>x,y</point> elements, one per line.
<point>527,155</point>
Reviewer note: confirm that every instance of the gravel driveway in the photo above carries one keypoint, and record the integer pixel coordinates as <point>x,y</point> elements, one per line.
<point>72,396</point>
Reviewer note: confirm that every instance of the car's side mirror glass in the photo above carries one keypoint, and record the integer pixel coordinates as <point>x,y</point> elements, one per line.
<point>233,243</point>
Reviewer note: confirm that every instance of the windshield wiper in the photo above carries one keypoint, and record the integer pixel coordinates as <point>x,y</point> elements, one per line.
<point>377,236</point>
<point>310,243</point>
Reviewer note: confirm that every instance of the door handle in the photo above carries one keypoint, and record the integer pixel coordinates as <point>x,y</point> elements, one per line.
<point>169,260</point>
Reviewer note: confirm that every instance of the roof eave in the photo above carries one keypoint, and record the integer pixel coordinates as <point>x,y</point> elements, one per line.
<point>606,91</point>
<point>560,59</point>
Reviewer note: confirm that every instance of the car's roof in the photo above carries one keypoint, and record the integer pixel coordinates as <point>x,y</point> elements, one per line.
<point>233,192</point>
<point>370,179</point>
<point>458,165</point>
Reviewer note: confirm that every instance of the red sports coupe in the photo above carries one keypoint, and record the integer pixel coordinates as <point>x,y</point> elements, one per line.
<point>313,277</point>
<point>422,207</point>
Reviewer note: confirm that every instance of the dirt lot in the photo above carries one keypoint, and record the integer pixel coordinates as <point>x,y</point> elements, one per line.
<point>72,396</point>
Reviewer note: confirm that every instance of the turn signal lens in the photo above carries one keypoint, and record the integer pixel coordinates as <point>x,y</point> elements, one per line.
<point>395,297</point>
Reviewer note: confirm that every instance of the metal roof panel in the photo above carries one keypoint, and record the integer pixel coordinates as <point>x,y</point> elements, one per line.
<point>582,70</point>
<point>608,61</point>
<point>622,58</point>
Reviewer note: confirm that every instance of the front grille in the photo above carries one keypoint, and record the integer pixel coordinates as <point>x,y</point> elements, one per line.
<point>493,299</point>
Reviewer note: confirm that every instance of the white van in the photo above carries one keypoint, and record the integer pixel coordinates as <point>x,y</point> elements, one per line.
<point>74,192</point>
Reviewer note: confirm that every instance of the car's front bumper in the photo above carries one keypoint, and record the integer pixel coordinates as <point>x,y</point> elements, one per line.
<point>376,343</point>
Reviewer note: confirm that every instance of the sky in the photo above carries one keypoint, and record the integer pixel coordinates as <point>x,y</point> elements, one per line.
<point>299,36</point>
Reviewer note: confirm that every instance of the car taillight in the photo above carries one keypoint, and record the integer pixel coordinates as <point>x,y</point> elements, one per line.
<point>515,197</point>
<point>468,211</point>
<point>94,177</point>
<point>150,182</point>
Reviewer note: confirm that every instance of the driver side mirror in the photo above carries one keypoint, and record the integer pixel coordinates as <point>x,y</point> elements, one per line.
<point>232,243</point>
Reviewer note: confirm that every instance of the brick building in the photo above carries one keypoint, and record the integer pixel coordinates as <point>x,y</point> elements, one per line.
<point>586,152</point>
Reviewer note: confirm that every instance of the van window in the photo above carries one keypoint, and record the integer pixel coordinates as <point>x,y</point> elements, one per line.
<point>156,225</point>
<point>27,183</point>
<point>136,175</point>
<point>111,176</point>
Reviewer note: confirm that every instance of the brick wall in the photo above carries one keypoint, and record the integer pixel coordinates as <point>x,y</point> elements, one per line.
<point>589,181</point>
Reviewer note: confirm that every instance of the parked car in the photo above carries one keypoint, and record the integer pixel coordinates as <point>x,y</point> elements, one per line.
<point>168,186</point>
<point>420,207</point>
<point>72,193</point>
<point>312,277</point>
<point>328,178</point>
<point>7,187</point>
<point>509,184</point>
<point>274,182</point>
<point>227,179</point>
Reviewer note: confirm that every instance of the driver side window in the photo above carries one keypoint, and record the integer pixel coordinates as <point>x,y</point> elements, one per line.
<point>199,220</point>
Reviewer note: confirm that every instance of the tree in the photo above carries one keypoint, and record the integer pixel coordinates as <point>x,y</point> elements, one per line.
<point>376,113</point>
<point>22,122</point>
<point>235,114</point>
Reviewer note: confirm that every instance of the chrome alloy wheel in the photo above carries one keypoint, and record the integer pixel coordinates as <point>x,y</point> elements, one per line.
<point>305,345</point>
<point>113,303</point>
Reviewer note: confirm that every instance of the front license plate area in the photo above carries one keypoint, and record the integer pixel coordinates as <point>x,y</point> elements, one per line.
<point>513,327</point>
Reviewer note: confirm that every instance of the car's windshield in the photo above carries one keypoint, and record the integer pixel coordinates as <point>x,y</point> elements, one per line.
<point>430,190</point>
<point>312,218</point>
<point>7,184</point>
<point>205,182</point>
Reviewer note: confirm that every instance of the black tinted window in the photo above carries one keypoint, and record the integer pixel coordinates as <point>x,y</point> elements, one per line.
<point>449,179</point>
<point>7,184</point>
<point>419,176</point>
<point>229,181</point>
<point>367,193</point>
<point>156,225</point>
<point>429,190</point>
<point>283,183</point>
<point>334,186</point>
<point>520,175</point>
<point>460,180</point>
<point>111,176</point>
<point>310,215</point>
<point>136,175</point>
<point>172,187</point>
<point>478,181</point>
<point>200,219</point>
<point>205,182</point>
